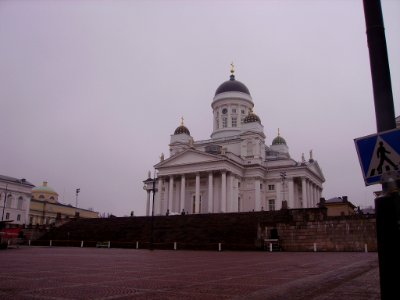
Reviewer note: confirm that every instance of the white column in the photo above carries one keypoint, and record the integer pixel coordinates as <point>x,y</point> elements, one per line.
<point>229,198</point>
<point>304,191</point>
<point>309,194</point>
<point>291,193</point>
<point>197,197</point>
<point>158,206</point>
<point>148,203</point>
<point>170,193</point>
<point>257,195</point>
<point>223,191</point>
<point>314,195</point>
<point>235,204</point>
<point>210,193</point>
<point>183,185</point>
<point>278,199</point>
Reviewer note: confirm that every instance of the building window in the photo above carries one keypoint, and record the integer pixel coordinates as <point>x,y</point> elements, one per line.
<point>9,200</point>
<point>20,202</point>
<point>234,110</point>
<point>224,111</point>
<point>271,204</point>
<point>271,187</point>
<point>242,111</point>
<point>217,121</point>
<point>260,186</point>
<point>7,216</point>
<point>239,184</point>
<point>18,217</point>
<point>224,122</point>
<point>234,122</point>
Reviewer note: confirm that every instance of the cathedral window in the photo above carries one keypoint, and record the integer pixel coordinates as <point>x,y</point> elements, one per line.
<point>234,122</point>
<point>242,111</point>
<point>271,187</point>
<point>7,216</point>
<point>217,123</point>
<point>271,204</point>
<point>224,122</point>
<point>18,217</point>
<point>224,111</point>
<point>234,110</point>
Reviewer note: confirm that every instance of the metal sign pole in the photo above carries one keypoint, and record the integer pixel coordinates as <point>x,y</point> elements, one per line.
<point>387,207</point>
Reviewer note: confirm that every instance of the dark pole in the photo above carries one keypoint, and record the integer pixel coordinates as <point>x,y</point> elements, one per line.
<point>152,214</point>
<point>380,72</point>
<point>4,204</point>
<point>387,207</point>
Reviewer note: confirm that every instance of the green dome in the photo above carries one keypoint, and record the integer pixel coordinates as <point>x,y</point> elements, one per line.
<point>251,117</point>
<point>279,141</point>
<point>44,189</point>
<point>182,129</point>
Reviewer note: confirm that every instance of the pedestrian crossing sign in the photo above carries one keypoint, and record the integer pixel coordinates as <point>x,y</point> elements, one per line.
<point>378,154</point>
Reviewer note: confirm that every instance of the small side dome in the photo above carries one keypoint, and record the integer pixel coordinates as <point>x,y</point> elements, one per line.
<point>251,118</point>
<point>279,140</point>
<point>182,129</point>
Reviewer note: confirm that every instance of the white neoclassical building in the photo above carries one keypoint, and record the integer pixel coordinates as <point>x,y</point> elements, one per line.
<point>15,197</point>
<point>234,170</point>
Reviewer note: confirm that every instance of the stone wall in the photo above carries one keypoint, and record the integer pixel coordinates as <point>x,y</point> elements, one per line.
<point>310,230</point>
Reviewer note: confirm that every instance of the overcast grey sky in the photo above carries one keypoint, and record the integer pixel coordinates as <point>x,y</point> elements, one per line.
<point>91,91</point>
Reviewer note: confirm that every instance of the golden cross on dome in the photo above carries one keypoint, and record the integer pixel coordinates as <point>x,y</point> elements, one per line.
<point>232,68</point>
<point>278,132</point>
<point>181,121</point>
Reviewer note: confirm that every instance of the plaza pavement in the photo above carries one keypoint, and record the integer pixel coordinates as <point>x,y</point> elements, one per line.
<point>95,273</point>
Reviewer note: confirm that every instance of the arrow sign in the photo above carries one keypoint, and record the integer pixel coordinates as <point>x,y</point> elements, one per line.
<point>378,154</point>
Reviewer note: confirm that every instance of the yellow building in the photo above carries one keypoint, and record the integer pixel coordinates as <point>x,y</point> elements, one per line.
<point>339,206</point>
<point>45,208</point>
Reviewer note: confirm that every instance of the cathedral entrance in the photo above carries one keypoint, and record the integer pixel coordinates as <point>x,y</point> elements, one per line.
<point>194,204</point>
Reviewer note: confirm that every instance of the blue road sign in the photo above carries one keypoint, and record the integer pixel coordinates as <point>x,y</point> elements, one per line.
<point>378,154</point>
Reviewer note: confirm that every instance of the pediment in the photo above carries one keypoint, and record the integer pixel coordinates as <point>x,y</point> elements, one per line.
<point>188,157</point>
<point>315,168</point>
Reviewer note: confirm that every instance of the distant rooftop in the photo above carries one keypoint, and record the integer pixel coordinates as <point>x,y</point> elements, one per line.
<point>22,181</point>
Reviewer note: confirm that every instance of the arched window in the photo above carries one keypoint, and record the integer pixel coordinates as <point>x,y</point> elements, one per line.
<point>20,203</point>
<point>9,200</point>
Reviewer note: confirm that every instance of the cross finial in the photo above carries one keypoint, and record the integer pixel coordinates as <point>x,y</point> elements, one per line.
<point>279,133</point>
<point>181,121</point>
<point>232,68</point>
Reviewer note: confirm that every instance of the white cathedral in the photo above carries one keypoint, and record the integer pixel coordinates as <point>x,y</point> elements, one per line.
<point>234,170</point>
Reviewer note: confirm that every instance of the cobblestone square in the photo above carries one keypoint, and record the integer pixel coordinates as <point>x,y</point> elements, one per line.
<point>93,273</point>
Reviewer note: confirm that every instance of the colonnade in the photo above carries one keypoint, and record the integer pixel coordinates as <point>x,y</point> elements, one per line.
<point>172,196</point>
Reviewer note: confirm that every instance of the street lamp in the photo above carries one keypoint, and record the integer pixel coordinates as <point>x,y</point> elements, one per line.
<point>283,176</point>
<point>76,200</point>
<point>4,204</point>
<point>150,186</point>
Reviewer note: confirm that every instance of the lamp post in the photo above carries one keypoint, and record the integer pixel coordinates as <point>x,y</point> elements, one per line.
<point>4,204</point>
<point>152,212</point>
<point>76,199</point>
<point>150,186</point>
<point>283,176</point>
